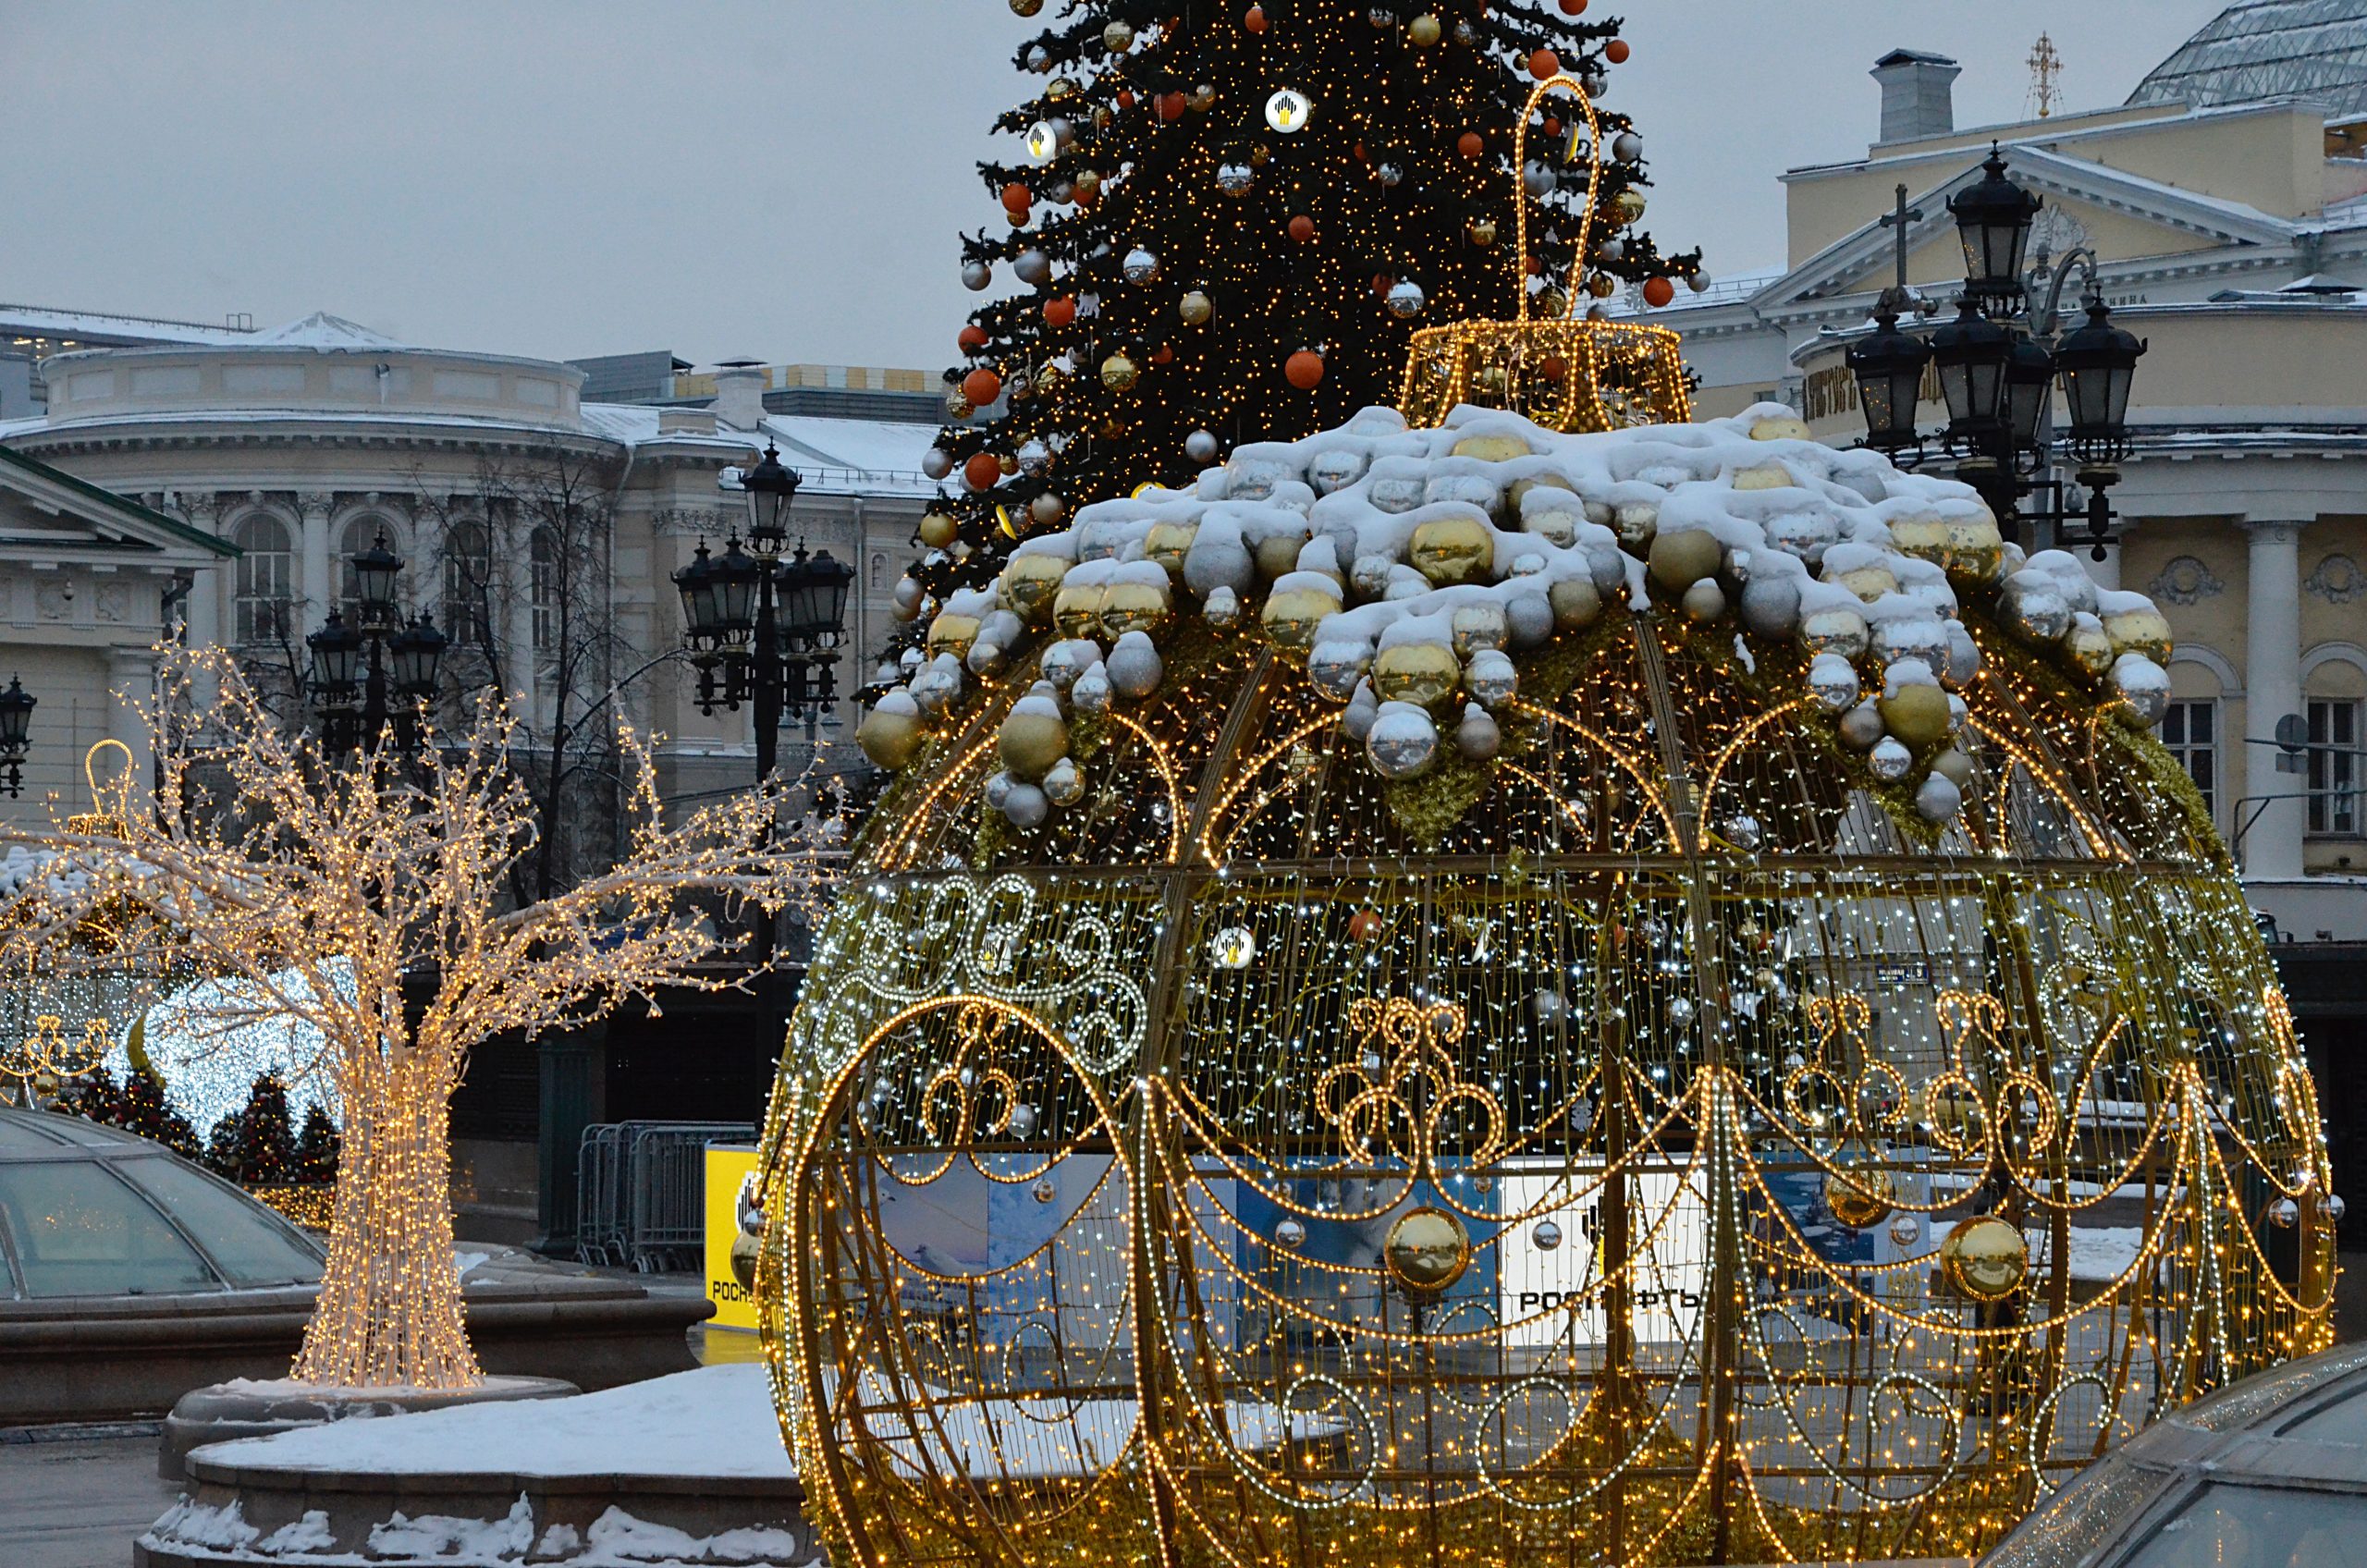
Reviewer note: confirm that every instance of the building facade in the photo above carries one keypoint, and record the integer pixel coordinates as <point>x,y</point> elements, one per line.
<point>538,528</point>
<point>2228,212</point>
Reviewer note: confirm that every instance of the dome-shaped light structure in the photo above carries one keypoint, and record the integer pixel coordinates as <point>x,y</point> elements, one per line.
<point>1627,1088</point>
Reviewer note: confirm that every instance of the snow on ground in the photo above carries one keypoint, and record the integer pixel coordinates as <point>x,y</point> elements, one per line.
<point>713,1421</point>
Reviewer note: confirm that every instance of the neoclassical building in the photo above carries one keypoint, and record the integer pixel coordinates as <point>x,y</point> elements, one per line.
<point>2227,202</point>
<point>539,530</point>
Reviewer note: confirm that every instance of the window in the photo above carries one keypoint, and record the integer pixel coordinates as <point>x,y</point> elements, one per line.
<point>265,571</point>
<point>543,563</point>
<point>2191,732</point>
<point>467,575</point>
<point>2333,767</point>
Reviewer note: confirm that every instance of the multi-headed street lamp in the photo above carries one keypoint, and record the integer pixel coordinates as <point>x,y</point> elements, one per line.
<point>356,669</point>
<point>763,628</point>
<point>16,706</point>
<point>1998,363</point>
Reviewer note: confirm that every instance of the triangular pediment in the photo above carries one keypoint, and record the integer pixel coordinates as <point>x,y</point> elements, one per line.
<point>47,513</point>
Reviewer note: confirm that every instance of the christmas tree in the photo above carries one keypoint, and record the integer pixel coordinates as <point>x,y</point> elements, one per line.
<point>136,1104</point>
<point>256,1145</point>
<point>1231,218</point>
<point>316,1147</point>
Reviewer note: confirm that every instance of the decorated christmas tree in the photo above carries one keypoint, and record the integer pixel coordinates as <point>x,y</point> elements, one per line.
<point>136,1105</point>
<point>317,1146</point>
<point>256,1145</point>
<point>1230,219</point>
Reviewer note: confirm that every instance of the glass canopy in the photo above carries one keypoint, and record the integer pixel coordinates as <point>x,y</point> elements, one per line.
<point>87,1210</point>
<point>2269,49</point>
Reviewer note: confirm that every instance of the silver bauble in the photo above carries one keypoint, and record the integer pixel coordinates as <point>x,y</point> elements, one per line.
<point>1336,667</point>
<point>1200,447</point>
<point>1938,798</point>
<point>1403,742</point>
<point>1023,1119</point>
<point>1528,621</point>
<point>1092,692</point>
<point>1133,665</point>
<point>1289,1236</point>
<point>1704,601</point>
<point>1861,728</point>
<point>1537,179</point>
<point>1833,682</point>
<point>1546,1235</point>
<point>1035,458</point>
<point>1235,179</point>
<point>1491,677</point>
<point>1743,832</point>
<point>1477,736</point>
<point>1222,608</point>
<point>976,275</point>
<point>936,462</point>
<point>1064,784</point>
<point>1369,576</point>
<point>1034,268</point>
<point>1890,759</point>
<point>1627,147</point>
<point>1140,266</point>
<point>997,789</point>
<point>1405,299</point>
<point>984,659</point>
<point>1335,469</point>
<point>1357,719</point>
<point>1026,806</point>
<point>1044,1191</point>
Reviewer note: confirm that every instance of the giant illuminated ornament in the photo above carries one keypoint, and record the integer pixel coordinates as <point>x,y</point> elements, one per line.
<point>1489,996</point>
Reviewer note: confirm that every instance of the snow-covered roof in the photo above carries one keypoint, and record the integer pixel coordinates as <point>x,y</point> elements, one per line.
<point>854,457</point>
<point>2261,49</point>
<point>39,320</point>
<point>640,424</point>
<point>320,330</point>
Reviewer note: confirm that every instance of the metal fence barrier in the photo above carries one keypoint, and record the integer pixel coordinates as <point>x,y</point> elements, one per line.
<point>641,1185</point>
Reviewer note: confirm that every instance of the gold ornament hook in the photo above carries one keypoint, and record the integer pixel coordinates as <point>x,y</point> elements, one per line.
<point>1520,194</point>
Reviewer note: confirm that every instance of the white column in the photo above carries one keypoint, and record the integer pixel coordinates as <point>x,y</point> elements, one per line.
<point>132,678</point>
<point>208,587</point>
<point>2272,689</point>
<point>519,633</point>
<point>315,583</point>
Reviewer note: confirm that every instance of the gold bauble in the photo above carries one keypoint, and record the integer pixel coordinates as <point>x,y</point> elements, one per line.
<point>1924,536</point>
<point>1292,615</point>
<point>1063,87</point>
<point>1118,37</point>
<point>1837,630</point>
<point>1454,549</point>
<point>950,633</point>
<point>1576,603</point>
<point>1119,372</point>
<point>1683,558</point>
<point>2140,632</point>
<point>1425,674</point>
<point>1492,381</point>
<point>1637,524</point>
<point>1482,232</point>
<point>2089,648</point>
<point>1978,549</point>
<point>1134,606</point>
<point>1869,581</point>
<point>1195,307</point>
<point>1423,30</point>
<point>1478,626</point>
<point>1201,98</point>
<point>1427,1251</point>
<point>1628,206</point>
<point>1861,1195</point>
<point>1031,742</point>
<point>1985,1257</point>
<point>1085,182</point>
<point>1779,427</point>
<point>1168,543</point>
<point>1918,714</point>
<point>1603,286</point>
<point>1076,609</point>
<point>1025,8</point>
<point>938,530</point>
<point>1008,463</point>
<point>744,1249</point>
<point>1277,554</point>
<point>890,739</point>
<point>1552,304</point>
<point>1766,476</point>
<point>958,406</point>
<point>1492,448</point>
<point>1028,582</point>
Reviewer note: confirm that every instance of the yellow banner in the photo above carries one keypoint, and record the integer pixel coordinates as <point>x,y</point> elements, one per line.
<point>735,1306</point>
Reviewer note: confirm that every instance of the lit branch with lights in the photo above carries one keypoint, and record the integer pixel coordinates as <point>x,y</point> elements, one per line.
<point>317,887</point>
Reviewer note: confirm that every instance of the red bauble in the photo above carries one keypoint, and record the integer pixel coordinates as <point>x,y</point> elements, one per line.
<point>1552,126</point>
<point>1658,293</point>
<point>1253,18</point>
<point>1017,197</point>
<point>1302,228</point>
<point>1471,144</point>
<point>1304,370</point>
<point>1365,925</point>
<point>974,338</point>
<point>1574,7</point>
<point>1532,264</point>
<point>1125,97</point>
<point>1616,50</point>
<point>983,471</point>
<point>1086,198</point>
<point>1544,63</point>
<point>1553,368</point>
<point>1059,311</point>
<point>1172,106</point>
<point>981,386</point>
<point>1163,356</point>
<point>1382,283</point>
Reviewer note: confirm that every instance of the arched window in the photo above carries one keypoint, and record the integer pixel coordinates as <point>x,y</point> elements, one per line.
<point>356,537</point>
<point>545,569</point>
<point>467,585</point>
<point>265,569</point>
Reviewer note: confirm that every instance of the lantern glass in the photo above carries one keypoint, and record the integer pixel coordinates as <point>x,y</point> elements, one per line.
<point>1971,354</point>
<point>414,655</point>
<point>2030,389</point>
<point>2099,366</point>
<point>731,592</point>
<point>1993,221</point>
<point>374,571</point>
<point>771,486</point>
<point>16,706</point>
<point>691,583</point>
<point>830,581</point>
<point>1889,368</point>
<point>337,657</point>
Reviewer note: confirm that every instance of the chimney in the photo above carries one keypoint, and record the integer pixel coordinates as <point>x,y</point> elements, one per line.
<point>1916,98</point>
<point>740,394</point>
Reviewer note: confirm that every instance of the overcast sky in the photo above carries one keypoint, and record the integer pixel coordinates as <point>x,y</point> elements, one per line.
<point>780,178</point>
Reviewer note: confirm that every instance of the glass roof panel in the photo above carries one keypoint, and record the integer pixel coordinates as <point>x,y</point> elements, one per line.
<point>2258,1528</point>
<point>79,1232</point>
<point>247,1241</point>
<point>2269,49</point>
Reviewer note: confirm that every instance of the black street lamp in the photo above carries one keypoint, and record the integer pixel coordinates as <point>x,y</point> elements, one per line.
<point>1997,363</point>
<point>763,629</point>
<point>356,669</point>
<point>16,706</point>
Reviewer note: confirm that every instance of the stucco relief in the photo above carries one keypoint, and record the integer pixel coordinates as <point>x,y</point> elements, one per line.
<point>699,523</point>
<point>54,598</point>
<point>2338,579</point>
<point>2186,580</point>
<point>113,601</point>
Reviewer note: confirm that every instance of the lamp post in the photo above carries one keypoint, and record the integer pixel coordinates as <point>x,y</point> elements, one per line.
<point>357,667</point>
<point>1998,363</point>
<point>763,628</point>
<point>16,706</point>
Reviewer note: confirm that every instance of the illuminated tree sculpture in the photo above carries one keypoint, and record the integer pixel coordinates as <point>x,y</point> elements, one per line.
<point>268,863</point>
<point>1228,220</point>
